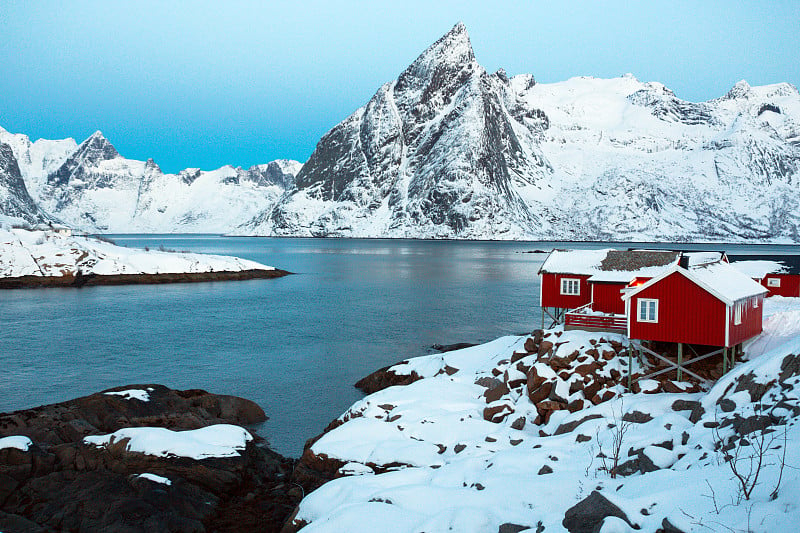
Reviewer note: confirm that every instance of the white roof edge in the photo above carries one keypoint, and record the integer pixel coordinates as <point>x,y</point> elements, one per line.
<point>687,274</point>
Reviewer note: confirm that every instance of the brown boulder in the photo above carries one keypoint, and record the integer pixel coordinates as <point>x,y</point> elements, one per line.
<point>496,392</point>
<point>534,379</point>
<point>497,413</point>
<point>530,346</point>
<point>545,347</point>
<point>559,363</point>
<point>540,393</point>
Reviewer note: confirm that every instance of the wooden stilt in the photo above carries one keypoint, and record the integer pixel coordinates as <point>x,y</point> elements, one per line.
<point>680,361</point>
<point>630,364</point>
<point>725,360</point>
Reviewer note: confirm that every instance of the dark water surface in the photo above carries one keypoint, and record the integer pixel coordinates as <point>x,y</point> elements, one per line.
<point>294,345</point>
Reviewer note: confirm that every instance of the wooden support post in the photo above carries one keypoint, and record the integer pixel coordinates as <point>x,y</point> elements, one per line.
<point>630,364</point>
<point>680,360</point>
<point>725,360</point>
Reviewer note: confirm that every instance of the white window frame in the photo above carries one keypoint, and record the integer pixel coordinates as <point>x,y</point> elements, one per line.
<point>737,314</point>
<point>567,284</point>
<point>643,304</point>
<point>774,282</point>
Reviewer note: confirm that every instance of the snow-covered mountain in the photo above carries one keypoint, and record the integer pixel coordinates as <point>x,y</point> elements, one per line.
<point>449,150</point>
<point>92,187</point>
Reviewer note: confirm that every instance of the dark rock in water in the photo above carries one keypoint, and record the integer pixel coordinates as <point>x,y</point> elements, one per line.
<point>60,483</point>
<point>452,347</point>
<point>587,515</point>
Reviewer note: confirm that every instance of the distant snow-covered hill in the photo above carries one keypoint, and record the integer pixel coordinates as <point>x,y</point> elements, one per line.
<point>450,150</point>
<point>92,187</point>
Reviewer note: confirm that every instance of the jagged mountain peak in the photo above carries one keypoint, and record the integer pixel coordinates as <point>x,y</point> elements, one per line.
<point>452,52</point>
<point>97,145</point>
<point>740,90</point>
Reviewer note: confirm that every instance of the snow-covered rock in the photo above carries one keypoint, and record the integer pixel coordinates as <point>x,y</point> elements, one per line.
<point>220,440</point>
<point>435,464</point>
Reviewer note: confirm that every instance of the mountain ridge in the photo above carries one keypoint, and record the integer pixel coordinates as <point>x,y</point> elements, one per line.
<point>449,150</point>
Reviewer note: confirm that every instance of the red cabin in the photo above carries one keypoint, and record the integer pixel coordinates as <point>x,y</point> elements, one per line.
<point>710,304</point>
<point>780,274</point>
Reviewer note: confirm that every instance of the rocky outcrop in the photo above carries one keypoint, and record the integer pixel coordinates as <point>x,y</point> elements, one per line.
<point>61,483</point>
<point>383,378</point>
<point>555,380</point>
<point>587,515</point>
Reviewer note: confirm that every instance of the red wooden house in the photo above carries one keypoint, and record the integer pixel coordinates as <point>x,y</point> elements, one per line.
<point>780,274</point>
<point>709,304</point>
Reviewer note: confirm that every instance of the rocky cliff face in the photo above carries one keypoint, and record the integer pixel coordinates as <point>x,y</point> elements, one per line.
<point>16,205</point>
<point>435,152</point>
<point>449,150</point>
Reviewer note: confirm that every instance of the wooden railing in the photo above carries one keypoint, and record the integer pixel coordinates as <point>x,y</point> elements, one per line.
<point>576,320</point>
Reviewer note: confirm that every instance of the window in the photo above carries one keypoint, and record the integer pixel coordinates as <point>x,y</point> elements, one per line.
<point>648,310</point>
<point>737,314</point>
<point>570,286</point>
<point>773,282</point>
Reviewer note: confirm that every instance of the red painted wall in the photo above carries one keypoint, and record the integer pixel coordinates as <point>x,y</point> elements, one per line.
<point>551,292</point>
<point>790,285</point>
<point>686,313</point>
<point>606,297</point>
<point>751,321</point>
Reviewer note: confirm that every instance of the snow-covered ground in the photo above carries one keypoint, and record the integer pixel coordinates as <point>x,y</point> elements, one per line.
<point>47,253</point>
<point>423,457</point>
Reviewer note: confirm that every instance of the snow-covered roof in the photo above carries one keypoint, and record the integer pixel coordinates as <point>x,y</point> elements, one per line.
<point>758,266</point>
<point>720,279</point>
<point>609,265</point>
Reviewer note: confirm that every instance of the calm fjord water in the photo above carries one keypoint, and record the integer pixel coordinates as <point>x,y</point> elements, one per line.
<point>295,345</point>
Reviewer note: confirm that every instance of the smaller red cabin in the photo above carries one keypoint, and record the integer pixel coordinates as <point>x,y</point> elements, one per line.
<point>780,274</point>
<point>575,278</point>
<point>711,304</point>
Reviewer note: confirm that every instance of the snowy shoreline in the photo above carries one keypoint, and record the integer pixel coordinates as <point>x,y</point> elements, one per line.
<point>50,258</point>
<point>518,434</point>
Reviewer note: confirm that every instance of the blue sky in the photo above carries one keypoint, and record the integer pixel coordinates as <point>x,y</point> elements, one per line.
<point>203,84</point>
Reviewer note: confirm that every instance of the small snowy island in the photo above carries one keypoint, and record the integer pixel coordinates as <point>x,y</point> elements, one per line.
<point>54,257</point>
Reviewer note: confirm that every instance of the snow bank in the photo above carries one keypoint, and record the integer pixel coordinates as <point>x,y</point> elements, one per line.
<point>221,440</point>
<point>16,441</point>
<point>46,253</point>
